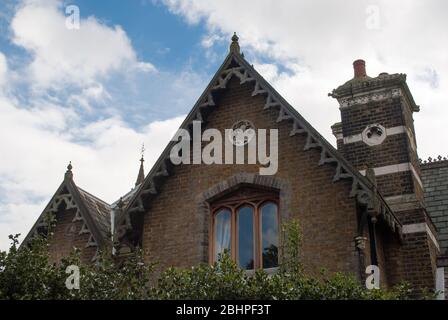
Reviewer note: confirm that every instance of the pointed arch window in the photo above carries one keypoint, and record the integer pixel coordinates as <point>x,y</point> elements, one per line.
<point>248,229</point>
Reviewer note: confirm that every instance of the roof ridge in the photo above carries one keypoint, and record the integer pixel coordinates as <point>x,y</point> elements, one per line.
<point>431,160</point>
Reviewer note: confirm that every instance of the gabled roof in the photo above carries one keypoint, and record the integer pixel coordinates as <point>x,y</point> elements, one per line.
<point>235,65</point>
<point>94,212</point>
<point>98,210</point>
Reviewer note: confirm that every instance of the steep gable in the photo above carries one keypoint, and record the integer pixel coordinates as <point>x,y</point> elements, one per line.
<point>87,213</point>
<point>236,67</point>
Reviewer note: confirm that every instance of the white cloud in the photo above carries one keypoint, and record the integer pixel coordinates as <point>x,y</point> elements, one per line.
<point>42,128</point>
<point>15,218</point>
<point>37,144</point>
<point>304,48</point>
<point>318,40</point>
<point>63,56</point>
<point>3,70</point>
<point>210,39</point>
<point>95,93</point>
<point>268,70</point>
<point>145,66</point>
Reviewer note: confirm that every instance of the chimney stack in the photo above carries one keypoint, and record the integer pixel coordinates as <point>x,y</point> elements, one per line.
<point>359,66</point>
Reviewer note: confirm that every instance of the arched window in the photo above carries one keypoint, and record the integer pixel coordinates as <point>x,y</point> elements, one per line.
<point>248,227</point>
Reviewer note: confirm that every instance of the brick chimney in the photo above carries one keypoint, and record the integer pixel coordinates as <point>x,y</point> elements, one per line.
<point>377,132</point>
<point>359,67</point>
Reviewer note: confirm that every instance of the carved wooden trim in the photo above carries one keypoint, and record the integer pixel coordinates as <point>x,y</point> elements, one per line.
<point>246,74</point>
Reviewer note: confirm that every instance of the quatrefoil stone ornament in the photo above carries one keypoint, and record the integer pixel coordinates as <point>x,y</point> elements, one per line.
<point>374,134</point>
<point>242,132</point>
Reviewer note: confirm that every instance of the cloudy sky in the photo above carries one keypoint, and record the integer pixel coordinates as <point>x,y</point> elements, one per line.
<point>133,70</point>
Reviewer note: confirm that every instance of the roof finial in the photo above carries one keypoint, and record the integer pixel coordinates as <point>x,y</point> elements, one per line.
<point>142,152</point>
<point>120,203</point>
<point>235,37</point>
<point>141,171</point>
<point>69,173</point>
<point>234,46</point>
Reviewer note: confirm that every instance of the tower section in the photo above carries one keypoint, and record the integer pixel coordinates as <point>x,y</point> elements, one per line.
<point>377,131</point>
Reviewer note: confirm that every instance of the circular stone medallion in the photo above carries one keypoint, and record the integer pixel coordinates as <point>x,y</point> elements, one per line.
<point>243,131</point>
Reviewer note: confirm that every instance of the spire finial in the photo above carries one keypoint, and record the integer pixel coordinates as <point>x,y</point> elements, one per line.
<point>69,173</point>
<point>235,37</point>
<point>141,171</point>
<point>235,46</point>
<point>142,152</point>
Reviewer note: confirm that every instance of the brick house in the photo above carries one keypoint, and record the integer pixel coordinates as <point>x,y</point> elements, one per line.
<point>370,201</point>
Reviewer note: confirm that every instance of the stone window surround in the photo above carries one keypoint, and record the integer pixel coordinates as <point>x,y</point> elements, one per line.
<point>231,184</point>
<point>256,203</point>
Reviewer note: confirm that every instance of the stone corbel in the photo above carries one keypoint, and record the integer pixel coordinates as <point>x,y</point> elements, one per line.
<point>360,242</point>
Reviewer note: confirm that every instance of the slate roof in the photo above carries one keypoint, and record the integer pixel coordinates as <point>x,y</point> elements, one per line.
<point>435,182</point>
<point>99,211</point>
<point>94,211</point>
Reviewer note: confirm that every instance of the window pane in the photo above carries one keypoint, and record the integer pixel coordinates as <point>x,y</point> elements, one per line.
<point>222,232</point>
<point>246,238</point>
<point>269,235</point>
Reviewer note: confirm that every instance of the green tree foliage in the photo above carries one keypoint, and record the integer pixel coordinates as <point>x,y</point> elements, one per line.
<point>27,273</point>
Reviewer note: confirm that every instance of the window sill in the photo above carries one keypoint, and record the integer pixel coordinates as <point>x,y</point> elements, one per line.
<point>268,271</point>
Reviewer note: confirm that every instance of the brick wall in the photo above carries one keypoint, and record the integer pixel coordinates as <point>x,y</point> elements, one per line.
<point>415,258</point>
<point>395,149</point>
<point>418,254</point>
<point>381,236</point>
<point>392,248</point>
<point>66,237</point>
<point>355,118</point>
<point>360,154</point>
<point>176,231</point>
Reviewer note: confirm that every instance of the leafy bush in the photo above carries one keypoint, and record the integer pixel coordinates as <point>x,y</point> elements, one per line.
<point>27,273</point>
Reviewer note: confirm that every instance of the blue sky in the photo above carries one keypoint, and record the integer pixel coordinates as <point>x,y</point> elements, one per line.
<point>158,36</point>
<point>135,68</point>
